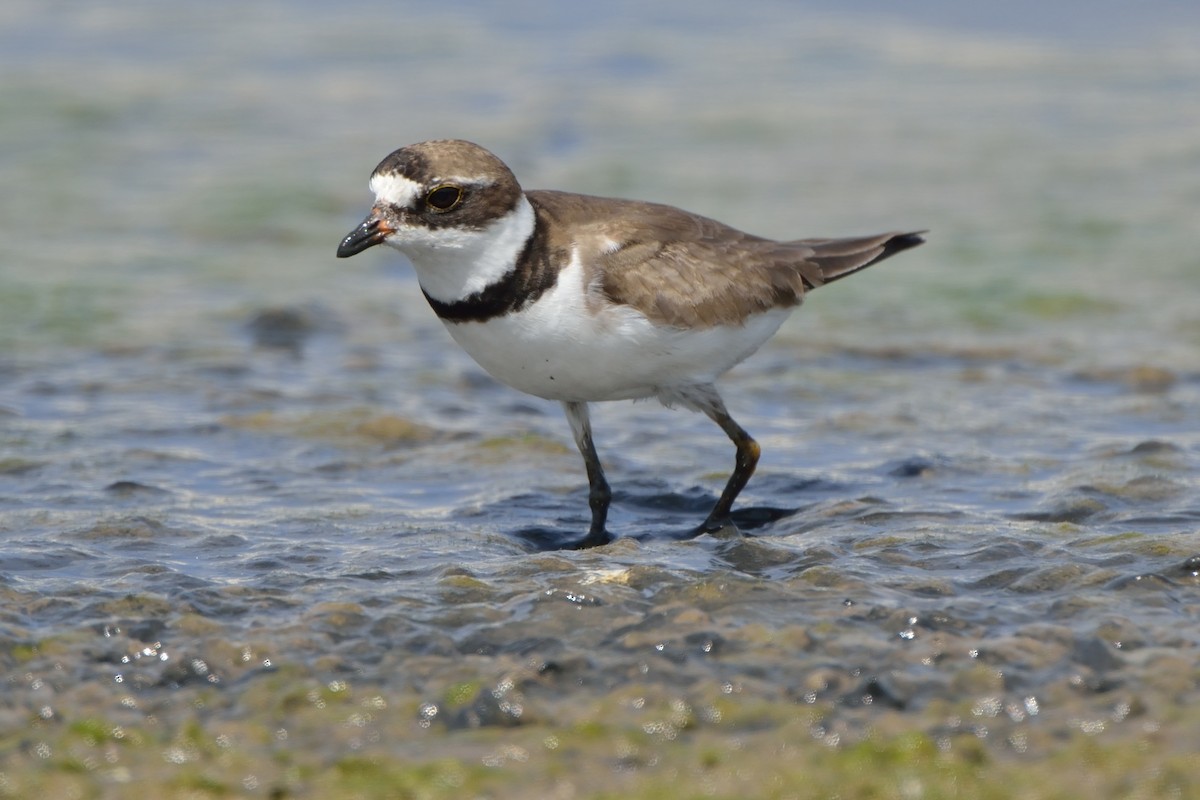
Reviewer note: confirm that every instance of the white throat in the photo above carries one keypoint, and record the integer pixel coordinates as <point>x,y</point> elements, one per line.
<point>454,263</point>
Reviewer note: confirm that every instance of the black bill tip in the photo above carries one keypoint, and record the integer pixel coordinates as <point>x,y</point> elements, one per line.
<point>370,233</point>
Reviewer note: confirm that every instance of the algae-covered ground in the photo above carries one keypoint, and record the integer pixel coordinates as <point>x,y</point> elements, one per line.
<point>533,732</point>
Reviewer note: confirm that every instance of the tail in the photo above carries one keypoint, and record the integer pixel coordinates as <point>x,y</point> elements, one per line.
<point>836,258</point>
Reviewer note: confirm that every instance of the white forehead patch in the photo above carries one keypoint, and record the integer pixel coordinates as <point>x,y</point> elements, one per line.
<point>395,190</point>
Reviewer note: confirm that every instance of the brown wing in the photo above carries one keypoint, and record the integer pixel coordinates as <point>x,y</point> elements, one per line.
<point>690,271</point>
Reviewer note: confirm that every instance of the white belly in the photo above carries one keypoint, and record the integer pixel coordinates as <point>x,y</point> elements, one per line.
<point>560,349</point>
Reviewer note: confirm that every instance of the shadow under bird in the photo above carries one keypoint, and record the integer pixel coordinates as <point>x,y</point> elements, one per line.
<point>579,299</point>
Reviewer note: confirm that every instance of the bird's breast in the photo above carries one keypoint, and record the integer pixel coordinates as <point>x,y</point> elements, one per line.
<point>569,346</point>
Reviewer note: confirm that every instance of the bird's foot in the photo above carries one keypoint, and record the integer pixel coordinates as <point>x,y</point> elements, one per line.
<point>718,528</point>
<point>595,538</point>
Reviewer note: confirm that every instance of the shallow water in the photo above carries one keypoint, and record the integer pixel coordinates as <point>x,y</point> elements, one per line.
<point>253,500</point>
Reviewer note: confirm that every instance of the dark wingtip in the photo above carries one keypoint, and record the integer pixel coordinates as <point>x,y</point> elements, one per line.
<point>834,259</point>
<point>896,243</point>
<point>901,242</point>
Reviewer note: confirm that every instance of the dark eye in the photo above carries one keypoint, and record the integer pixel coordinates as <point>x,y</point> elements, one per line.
<point>444,198</point>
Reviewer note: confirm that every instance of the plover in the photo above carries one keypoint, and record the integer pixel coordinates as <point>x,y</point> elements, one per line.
<point>580,299</point>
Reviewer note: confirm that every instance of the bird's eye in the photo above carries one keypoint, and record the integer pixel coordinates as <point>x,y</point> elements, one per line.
<point>444,197</point>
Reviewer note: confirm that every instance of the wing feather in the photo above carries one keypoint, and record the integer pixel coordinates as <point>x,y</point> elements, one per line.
<point>690,271</point>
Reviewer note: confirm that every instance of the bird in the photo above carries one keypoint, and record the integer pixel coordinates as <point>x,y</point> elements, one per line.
<point>579,299</point>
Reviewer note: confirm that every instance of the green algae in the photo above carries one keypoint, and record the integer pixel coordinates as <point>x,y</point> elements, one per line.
<point>593,760</point>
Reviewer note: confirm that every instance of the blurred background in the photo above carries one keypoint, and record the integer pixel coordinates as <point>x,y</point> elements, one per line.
<point>170,168</point>
<point>228,457</point>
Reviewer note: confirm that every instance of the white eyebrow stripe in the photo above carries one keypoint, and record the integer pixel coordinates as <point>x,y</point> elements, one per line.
<point>398,190</point>
<point>395,190</point>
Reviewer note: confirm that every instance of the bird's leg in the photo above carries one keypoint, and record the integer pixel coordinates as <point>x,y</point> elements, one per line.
<point>748,452</point>
<point>599,495</point>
